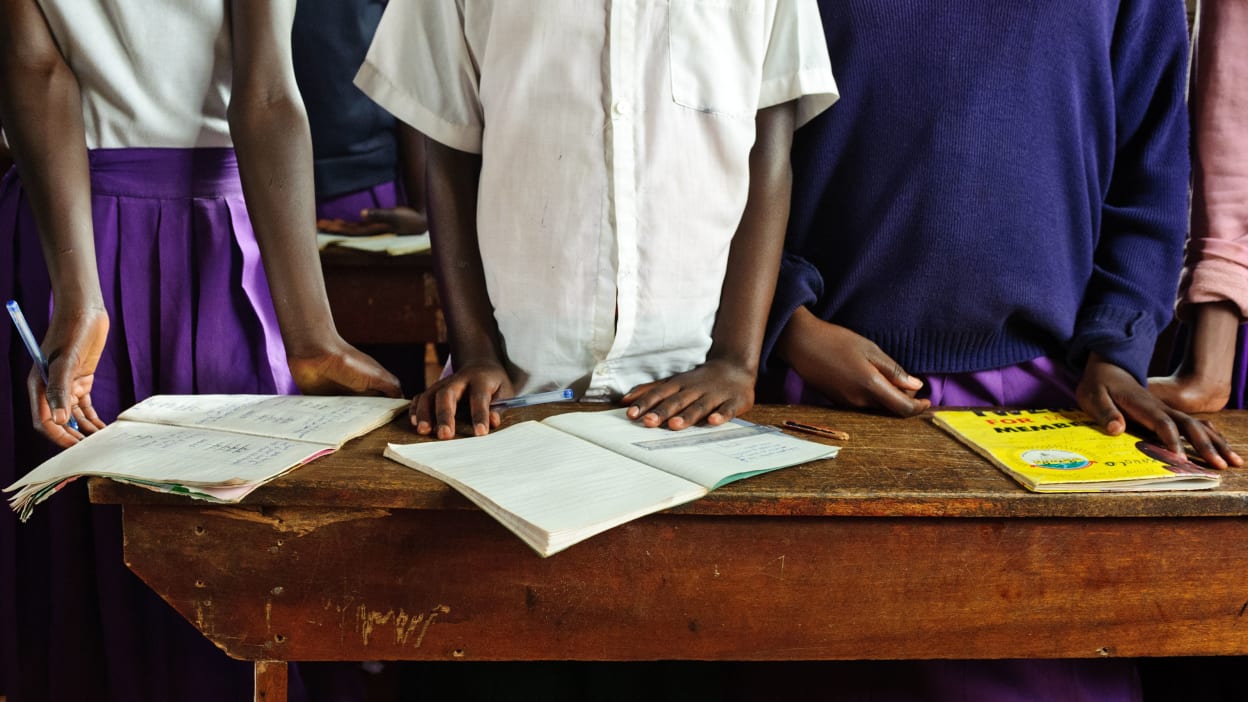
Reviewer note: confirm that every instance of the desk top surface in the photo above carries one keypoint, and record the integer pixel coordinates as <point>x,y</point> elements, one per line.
<point>889,467</point>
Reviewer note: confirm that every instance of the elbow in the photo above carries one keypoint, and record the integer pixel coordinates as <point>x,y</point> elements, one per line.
<point>254,114</point>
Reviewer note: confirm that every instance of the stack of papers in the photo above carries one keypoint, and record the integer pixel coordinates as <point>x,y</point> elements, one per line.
<point>391,244</point>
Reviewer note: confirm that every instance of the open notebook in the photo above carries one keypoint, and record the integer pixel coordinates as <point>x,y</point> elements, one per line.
<point>212,447</point>
<point>570,476</point>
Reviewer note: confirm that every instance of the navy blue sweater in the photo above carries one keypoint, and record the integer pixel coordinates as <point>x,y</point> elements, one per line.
<point>1000,180</point>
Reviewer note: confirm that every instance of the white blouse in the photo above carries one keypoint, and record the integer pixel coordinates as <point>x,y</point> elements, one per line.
<point>152,74</point>
<point>615,139</point>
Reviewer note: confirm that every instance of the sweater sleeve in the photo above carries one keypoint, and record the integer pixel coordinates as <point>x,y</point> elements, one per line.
<point>800,283</point>
<point>1143,218</point>
<point>1217,253</point>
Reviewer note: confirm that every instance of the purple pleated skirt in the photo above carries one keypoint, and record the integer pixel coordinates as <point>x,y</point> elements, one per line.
<point>1041,382</point>
<point>190,313</point>
<point>348,206</point>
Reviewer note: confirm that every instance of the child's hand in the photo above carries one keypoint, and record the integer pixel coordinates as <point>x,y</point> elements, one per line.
<point>400,220</point>
<point>1203,381</point>
<point>479,384</point>
<point>339,368</point>
<point>849,369</point>
<point>1107,392</point>
<point>73,345</point>
<point>1190,393</point>
<point>392,220</point>
<point>716,391</point>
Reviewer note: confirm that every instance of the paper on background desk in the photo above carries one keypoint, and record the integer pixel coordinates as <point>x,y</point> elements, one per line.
<point>392,244</point>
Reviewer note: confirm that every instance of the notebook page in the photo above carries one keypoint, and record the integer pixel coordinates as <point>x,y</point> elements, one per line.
<point>709,456</point>
<point>557,483</point>
<point>324,419</point>
<point>185,456</point>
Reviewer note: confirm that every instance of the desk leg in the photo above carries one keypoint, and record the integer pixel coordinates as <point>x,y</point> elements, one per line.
<point>270,681</point>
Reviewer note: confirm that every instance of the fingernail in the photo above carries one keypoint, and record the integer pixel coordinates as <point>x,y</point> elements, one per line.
<point>479,429</point>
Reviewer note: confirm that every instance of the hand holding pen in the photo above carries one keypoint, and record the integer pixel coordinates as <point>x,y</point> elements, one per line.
<point>64,419</point>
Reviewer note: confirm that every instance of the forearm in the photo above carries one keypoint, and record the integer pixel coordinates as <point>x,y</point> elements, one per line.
<point>754,257</point>
<point>275,164</point>
<point>274,145</point>
<point>412,155</point>
<point>452,179</point>
<point>1211,351</point>
<point>40,107</point>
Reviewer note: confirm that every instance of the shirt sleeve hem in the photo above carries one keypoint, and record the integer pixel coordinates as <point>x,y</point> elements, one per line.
<point>814,89</point>
<point>378,86</point>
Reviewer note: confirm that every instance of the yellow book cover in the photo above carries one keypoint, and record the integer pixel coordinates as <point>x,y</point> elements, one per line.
<point>1064,451</point>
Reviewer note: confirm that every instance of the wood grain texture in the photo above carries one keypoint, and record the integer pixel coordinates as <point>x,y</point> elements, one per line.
<point>907,545</point>
<point>381,299</point>
<point>271,680</point>
<point>889,468</point>
<point>303,584</point>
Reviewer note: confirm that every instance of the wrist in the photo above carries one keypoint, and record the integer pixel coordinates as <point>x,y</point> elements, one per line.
<point>308,340</point>
<point>789,343</point>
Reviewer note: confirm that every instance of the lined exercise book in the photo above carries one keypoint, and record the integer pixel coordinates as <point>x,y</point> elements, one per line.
<point>561,480</point>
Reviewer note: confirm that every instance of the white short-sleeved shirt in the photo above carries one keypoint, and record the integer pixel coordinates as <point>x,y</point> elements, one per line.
<point>151,74</point>
<point>615,140</point>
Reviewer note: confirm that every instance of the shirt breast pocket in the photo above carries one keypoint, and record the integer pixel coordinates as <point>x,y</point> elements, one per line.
<point>716,50</point>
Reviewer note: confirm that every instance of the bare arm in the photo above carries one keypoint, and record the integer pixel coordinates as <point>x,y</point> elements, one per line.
<point>476,349</point>
<point>40,106</point>
<point>270,132</point>
<point>723,387</point>
<point>1202,382</point>
<point>412,154</point>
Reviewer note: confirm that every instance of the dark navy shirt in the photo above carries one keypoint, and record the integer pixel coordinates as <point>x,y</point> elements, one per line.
<point>353,139</point>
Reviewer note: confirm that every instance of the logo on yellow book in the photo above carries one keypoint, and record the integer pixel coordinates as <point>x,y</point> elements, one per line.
<point>1055,459</point>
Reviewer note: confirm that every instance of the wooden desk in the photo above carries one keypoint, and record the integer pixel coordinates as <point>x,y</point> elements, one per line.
<point>907,545</point>
<point>381,299</point>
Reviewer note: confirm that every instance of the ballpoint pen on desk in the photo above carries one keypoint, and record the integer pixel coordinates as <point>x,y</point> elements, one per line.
<point>32,347</point>
<point>536,398</point>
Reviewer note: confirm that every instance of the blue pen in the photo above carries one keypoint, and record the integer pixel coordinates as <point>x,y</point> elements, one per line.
<point>536,398</point>
<point>32,346</point>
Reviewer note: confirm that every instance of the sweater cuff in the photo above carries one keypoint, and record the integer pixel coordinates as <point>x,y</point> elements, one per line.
<point>1219,274</point>
<point>799,284</point>
<point>1124,337</point>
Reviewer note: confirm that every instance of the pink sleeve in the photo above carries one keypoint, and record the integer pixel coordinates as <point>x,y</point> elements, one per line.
<point>1217,256</point>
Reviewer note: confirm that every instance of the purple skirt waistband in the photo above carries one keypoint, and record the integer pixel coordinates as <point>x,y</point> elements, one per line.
<point>164,173</point>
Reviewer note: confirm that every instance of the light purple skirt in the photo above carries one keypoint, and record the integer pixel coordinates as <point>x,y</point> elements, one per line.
<point>190,313</point>
<point>1037,383</point>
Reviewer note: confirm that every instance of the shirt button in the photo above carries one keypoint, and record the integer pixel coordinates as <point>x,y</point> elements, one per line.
<point>621,108</point>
